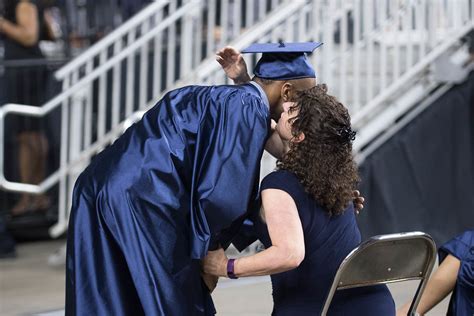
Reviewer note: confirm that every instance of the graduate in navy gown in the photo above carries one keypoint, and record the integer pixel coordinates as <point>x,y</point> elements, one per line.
<point>455,275</point>
<point>307,220</point>
<point>176,184</point>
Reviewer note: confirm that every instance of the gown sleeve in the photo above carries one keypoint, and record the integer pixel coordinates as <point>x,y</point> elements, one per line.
<point>461,247</point>
<point>229,148</point>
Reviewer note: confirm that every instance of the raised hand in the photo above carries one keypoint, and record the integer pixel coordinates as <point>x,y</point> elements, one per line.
<point>233,64</point>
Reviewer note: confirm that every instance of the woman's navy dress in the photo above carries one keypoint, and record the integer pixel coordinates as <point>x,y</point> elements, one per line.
<point>461,247</point>
<point>328,240</point>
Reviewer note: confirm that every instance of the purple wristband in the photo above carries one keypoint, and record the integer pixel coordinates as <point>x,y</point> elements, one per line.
<point>230,269</point>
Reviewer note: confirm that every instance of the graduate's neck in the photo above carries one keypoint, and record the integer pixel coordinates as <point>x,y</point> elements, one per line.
<point>272,89</point>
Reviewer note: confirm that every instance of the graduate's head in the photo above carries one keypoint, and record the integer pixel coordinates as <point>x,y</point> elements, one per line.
<point>280,91</point>
<point>282,71</point>
<point>318,129</point>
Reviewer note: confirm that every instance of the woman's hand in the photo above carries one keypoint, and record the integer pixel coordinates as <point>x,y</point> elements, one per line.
<point>233,64</point>
<point>358,202</point>
<point>215,263</point>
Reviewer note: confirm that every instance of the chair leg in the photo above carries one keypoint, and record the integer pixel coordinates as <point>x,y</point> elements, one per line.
<point>417,297</point>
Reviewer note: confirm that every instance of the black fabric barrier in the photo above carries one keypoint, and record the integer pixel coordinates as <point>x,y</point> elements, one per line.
<point>423,177</point>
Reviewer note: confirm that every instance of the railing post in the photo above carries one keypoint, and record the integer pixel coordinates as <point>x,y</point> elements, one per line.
<point>116,87</point>
<point>143,83</point>
<point>431,27</point>
<point>236,17</point>
<point>157,59</point>
<point>211,18</point>
<point>328,39</point>
<point>408,22</point>
<point>187,42</point>
<point>198,36</point>
<point>249,13</point>
<point>396,46</point>
<point>224,21</point>
<point>102,87</point>
<point>76,132</point>
<point>88,109</point>
<point>471,4</point>
<point>61,225</point>
<point>356,62</point>
<point>343,38</point>
<point>382,13</point>
<point>171,49</point>
<point>368,30</point>
<point>130,82</point>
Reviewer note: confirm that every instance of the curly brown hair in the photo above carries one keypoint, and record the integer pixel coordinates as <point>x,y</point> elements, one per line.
<point>323,161</point>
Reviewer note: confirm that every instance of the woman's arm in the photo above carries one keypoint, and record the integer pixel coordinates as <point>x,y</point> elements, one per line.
<point>25,31</point>
<point>286,233</point>
<point>441,283</point>
<point>274,144</point>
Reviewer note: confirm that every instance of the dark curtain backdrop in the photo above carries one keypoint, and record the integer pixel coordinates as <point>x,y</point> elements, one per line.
<point>423,177</point>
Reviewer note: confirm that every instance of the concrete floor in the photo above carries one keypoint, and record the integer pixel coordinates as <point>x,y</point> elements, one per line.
<point>28,286</point>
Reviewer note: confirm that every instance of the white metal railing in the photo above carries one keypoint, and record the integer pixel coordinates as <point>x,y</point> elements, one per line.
<point>128,71</point>
<point>373,51</point>
<point>371,47</point>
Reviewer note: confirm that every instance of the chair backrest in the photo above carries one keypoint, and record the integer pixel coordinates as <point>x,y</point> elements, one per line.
<point>385,259</point>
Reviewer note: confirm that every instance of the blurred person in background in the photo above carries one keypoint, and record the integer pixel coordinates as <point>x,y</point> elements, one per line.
<point>455,274</point>
<point>21,26</point>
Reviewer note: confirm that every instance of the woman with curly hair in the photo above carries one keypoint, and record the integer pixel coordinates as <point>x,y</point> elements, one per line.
<point>307,220</point>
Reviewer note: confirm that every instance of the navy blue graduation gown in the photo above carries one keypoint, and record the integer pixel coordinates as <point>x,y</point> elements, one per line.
<point>151,205</point>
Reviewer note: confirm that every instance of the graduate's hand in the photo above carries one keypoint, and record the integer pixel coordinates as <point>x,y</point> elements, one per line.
<point>233,64</point>
<point>210,281</point>
<point>215,263</point>
<point>358,202</point>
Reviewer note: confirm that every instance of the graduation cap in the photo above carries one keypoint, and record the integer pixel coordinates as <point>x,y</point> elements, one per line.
<point>283,61</point>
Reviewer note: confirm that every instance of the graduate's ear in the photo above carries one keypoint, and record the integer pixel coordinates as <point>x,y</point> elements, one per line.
<point>299,138</point>
<point>286,92</point>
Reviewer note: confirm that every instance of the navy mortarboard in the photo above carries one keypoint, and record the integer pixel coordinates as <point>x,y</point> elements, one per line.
<point>283,61</point>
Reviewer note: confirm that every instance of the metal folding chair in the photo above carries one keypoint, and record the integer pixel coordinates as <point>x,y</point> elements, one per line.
<point>386,259</point>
